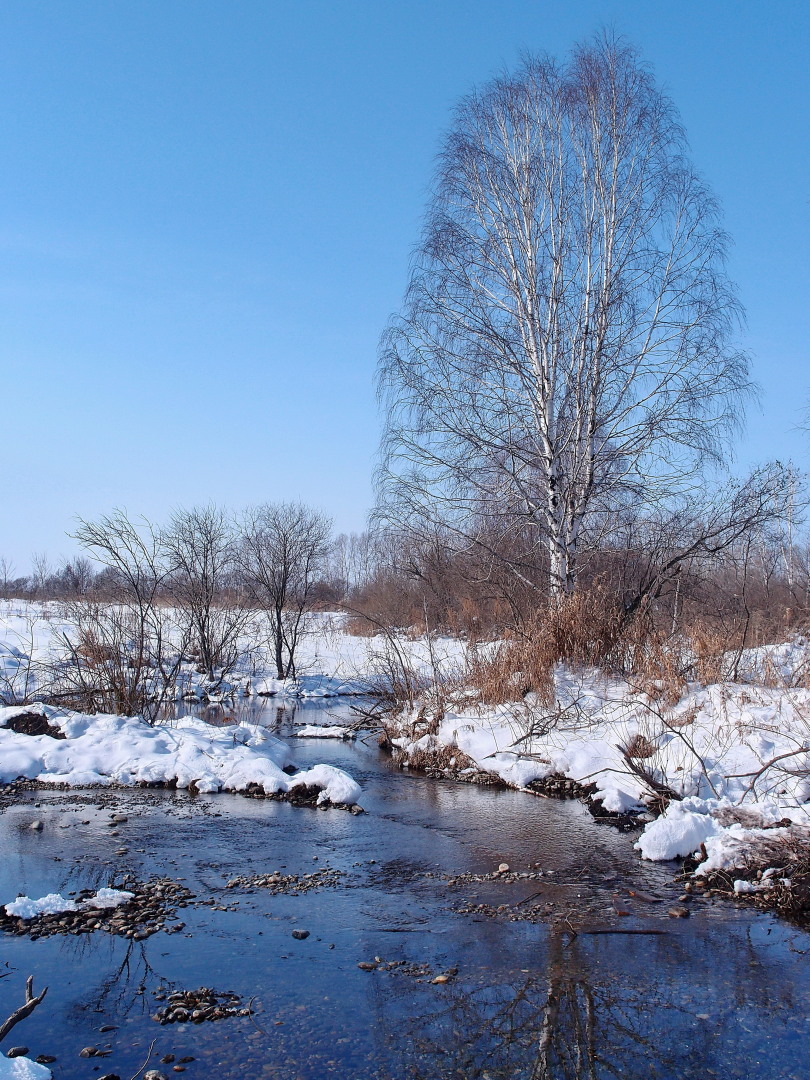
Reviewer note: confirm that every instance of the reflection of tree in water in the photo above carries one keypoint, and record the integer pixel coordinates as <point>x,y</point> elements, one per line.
<point>121,988</point>
<point>576,1022</point>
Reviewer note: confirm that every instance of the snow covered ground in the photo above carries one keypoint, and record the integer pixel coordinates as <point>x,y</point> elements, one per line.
<point>736,754</point>
<point>329,661</point>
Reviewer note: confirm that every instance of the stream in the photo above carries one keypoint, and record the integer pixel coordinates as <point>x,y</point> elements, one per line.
<point>724,992</point>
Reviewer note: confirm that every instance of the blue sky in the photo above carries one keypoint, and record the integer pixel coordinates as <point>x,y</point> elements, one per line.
<point>207,209</point>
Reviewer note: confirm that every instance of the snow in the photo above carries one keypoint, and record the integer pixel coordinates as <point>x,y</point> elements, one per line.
<point>108,898</point>
<point>99,750</point>
<point>338,786</point>
<point>712,748</point>
<point>323,731</point>
<point>54,904</point>
<point>329,662</point>
<point>678,832</point>
<point>22,1068</point>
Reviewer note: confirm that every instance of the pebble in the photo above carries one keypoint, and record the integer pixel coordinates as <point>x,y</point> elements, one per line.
<point>440,979</point>
<point>679,912</point>
<point>503,868</point>
<point>110,1076</point>
<point>37,826</point>
<point>17,1051</point>
<point>300,935</point>
<point>88,1051</point>
<point>154,1074</point>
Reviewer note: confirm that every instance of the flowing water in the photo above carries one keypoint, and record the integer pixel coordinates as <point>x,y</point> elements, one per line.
<point>722,993</point>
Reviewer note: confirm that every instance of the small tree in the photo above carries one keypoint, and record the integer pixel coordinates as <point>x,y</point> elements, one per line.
<point>200,547</point>
<point>283,549</point>
<point>124,652</point>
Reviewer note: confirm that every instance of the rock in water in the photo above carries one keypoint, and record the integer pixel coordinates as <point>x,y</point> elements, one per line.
<point>300,935</point>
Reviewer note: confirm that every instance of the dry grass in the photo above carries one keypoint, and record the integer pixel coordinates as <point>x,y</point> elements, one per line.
<point>434,758</point>
<point>789,855</point>
<point>585,628</point>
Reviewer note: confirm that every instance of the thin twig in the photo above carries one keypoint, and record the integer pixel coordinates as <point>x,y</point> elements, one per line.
<point>149,1054</point>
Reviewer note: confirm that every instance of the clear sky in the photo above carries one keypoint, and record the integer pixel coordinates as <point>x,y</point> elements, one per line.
<point>207,209</point>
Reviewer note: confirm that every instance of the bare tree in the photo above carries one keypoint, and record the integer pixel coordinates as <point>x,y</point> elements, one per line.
<point>200,546</point>
<point>565,343</point>
<point>40,573</point>
<point>284,546</point>
<point>124,653</point>
<point>6,575</point>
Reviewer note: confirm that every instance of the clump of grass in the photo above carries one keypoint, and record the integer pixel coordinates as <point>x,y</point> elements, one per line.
<point>587,627</point>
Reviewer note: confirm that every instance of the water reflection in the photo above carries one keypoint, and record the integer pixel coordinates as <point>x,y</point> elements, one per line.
<point>650,1016</point>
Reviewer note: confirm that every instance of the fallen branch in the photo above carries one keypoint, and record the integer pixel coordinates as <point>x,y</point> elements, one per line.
<point>31,1003</point>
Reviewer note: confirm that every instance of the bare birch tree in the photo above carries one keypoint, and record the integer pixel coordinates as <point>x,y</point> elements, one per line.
<point>565,345</point>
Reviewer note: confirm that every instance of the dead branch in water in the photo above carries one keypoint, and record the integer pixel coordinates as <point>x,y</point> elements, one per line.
<point>31,1003</point>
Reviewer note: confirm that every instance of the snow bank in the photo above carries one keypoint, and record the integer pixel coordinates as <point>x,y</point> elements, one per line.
<point>712,748</point>
<point>125,750</point>
<point>54,904</point>
<point>678,832</point>
<point>338,786</point>
<point>23,1068</point>
<point>108,898</point>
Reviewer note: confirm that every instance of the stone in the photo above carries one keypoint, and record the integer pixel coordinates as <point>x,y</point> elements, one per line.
<point>17,1051</point>
<point>154,1074</point>
<point>503,868</point>
<point>300,935</point>
<point>88,1051</point>
<point>679,912</point>
<point>37,826</point>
